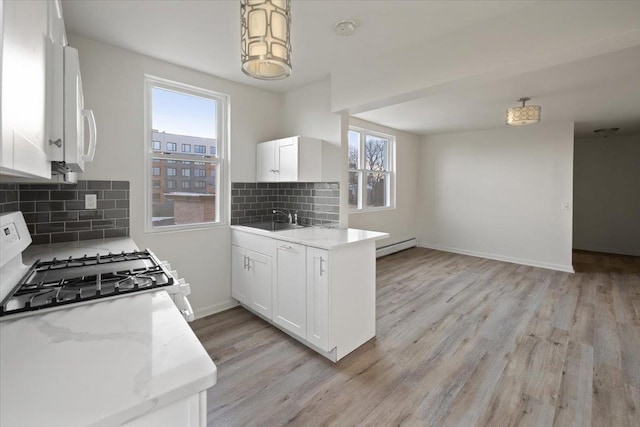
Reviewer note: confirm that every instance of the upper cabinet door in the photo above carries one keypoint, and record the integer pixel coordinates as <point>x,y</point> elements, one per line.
<point>266,162</point>
<point>287,160</point>
<point>26,46</point>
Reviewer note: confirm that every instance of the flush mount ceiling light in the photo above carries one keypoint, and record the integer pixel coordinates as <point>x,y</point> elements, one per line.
<point>605,132</point>
<point>345,28</point>
<point>524,115</point>
<point>266,38</point>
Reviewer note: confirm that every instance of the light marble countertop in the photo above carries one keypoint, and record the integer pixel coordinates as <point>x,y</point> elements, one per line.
<point>323,238</point>
<point>98,364</point>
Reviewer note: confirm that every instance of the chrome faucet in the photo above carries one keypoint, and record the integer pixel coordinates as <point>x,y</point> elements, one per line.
<point>287,214</point>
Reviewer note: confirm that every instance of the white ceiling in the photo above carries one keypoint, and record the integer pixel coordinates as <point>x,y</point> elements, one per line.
<point>204,35</point>
<point>602,91</point>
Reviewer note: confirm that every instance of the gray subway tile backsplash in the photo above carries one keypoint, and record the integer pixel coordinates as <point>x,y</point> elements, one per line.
<point>55,212</point>
<point>317,203</point>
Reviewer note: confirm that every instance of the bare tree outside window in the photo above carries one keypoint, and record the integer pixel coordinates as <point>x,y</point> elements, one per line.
<point>369,170</point>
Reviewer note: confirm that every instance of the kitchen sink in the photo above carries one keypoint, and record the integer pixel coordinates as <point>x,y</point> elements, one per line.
<point>273,226</point>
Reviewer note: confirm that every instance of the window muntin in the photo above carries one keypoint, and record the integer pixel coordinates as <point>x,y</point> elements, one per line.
<point>371,173</point>
<point>205,192</point>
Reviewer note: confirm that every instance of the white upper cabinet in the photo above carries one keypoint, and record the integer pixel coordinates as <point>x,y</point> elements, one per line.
<point>26,47</point>
<point>297,158</point>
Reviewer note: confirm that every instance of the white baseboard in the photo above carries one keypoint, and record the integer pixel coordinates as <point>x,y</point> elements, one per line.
<point>547,265</point>
<point>396,247</point>
<point>214,308</point>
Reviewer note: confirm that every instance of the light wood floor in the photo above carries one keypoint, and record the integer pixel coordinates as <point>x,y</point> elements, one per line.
<point>460,341</point>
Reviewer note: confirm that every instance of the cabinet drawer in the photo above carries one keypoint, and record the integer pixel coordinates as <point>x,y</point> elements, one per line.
<point>260,244</point>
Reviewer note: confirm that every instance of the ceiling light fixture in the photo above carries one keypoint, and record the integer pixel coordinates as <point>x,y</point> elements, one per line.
<point>524,115</point>
<point>606,132</point>
<point>266,38</point>
<point>345,28</point>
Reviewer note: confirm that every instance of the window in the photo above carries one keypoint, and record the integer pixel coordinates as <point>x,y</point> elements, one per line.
<point>181,113</point>
<point>156,197</point>
<point>156,184</point>
<point>371,171</point>
<point>156,171</point>
<point>156,145</point>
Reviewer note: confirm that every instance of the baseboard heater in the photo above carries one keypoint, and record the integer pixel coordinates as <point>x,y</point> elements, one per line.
<point>396,247</point>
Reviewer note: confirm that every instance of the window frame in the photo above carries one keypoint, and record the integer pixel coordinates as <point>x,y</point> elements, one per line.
<point>220,160</point>
<point>362,172</point>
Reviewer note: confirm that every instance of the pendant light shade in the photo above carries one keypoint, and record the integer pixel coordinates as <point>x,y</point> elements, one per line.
<point>266,38</point>
<point>524,115</point>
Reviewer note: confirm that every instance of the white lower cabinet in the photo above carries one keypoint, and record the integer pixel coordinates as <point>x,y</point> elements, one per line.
<point>289,290</point>
<point>251,279</point>
<point>318,298</point>
<point>325,298</point>
<point>189,412</point>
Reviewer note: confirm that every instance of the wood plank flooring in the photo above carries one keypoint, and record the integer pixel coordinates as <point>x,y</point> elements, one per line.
<point>460,341</point>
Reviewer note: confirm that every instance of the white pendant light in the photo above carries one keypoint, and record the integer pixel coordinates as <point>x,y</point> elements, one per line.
<point>266,38</point>
<point>524,115</point>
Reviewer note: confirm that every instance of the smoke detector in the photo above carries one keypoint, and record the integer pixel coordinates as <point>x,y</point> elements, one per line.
<point>606,132</point>
<point>345,28</point>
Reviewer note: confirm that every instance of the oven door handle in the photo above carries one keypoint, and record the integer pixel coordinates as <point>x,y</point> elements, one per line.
<point>185,307</point>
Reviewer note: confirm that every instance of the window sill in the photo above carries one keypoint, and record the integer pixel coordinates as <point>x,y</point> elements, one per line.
<point>186,227</point>
<point>370,210</point>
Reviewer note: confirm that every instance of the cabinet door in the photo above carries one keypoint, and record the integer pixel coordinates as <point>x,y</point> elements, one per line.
<point>23,146</point>
<point>55,81</point>
<point>259,266</point>
<point>265,161</point>
<point>289,299</point>
<point>240,275</point>
<point>318,298</point>
<point>287,159</point>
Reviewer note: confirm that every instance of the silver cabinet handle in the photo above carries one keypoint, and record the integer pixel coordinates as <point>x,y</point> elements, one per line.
<point>286,247</point>
<point>249,263</point>
<point>244,264</point>
<point>321,270</point>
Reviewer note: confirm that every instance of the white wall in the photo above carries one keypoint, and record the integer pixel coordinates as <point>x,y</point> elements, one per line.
<point>400,222</point>
<point>113,81</point>
<point>307,112</point>
<point>606,194</point>
<point>499,194</point>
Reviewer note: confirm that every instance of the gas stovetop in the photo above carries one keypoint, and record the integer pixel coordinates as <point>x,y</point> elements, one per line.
<point>50,284</point>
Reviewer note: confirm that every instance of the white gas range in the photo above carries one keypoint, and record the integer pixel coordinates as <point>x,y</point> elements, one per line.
<point>59,282</point>
<point>106,337</point>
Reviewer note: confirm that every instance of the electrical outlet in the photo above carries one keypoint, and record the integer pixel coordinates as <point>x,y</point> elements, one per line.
<point>90,201</point>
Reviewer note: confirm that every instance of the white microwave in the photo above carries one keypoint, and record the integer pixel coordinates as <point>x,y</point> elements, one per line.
<point>74,149</point>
